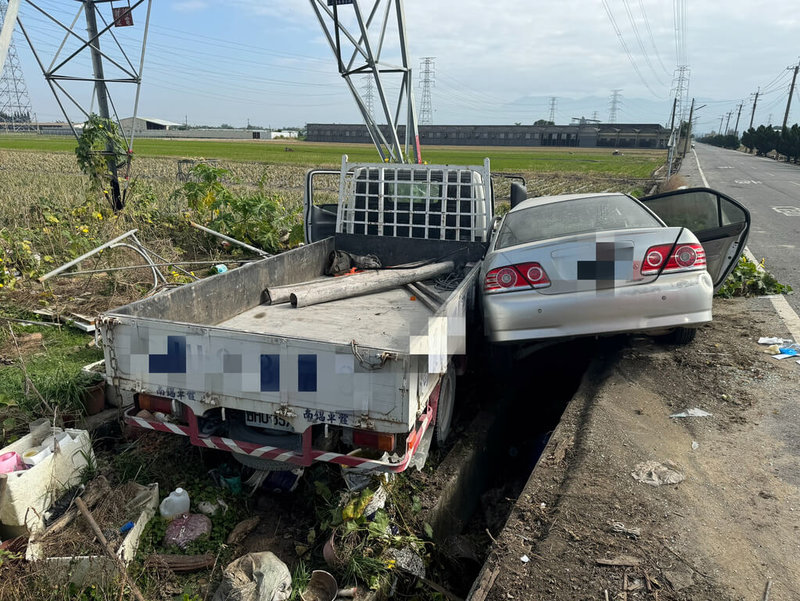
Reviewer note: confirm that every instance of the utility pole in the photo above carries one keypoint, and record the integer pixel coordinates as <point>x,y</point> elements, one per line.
<point>755,101</point>
<point>721,119</point>
<point>101,93</point>
<point>739,114</point>
<point>671,154</point>
<point>728,122</point>
<point>688,130</point>
<point>791,93</point>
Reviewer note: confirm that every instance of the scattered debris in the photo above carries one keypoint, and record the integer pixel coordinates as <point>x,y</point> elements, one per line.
<point>183,563</point>
<point>621,528</point>
<point>409,560</point>
<point>255,577</point>
<point>774,340</point>
<point>242,529</point>
<point>694,412</point>
<point>187,528</point>
<point>656,474</point>
<point>695,445</point>
<point>321,587</point>
<point>679,579</point>
<point>619,560</point>
<point>524,559</point>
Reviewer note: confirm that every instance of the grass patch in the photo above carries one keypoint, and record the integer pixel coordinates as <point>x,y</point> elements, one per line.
<point>638,163</point>
<point>43,359</point>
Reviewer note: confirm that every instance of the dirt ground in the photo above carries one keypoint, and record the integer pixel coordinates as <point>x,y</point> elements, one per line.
<point>729,531</point>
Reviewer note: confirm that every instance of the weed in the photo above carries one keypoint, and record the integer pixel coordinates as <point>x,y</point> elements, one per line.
<point>751,279</point>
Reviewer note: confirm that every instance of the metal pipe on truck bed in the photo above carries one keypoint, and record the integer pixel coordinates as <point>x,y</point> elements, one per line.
<point>382,280</point>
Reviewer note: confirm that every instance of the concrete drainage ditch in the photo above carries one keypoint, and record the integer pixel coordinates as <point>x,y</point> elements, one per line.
<point>519,401</point>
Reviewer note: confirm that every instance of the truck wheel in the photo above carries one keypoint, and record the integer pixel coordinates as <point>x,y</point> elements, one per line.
<point>444,408</point>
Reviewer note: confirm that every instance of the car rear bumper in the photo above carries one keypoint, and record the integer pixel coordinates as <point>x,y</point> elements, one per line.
<point>681,299</point>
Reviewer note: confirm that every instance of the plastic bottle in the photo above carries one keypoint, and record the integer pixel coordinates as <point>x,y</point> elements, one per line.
<point>177,503</point>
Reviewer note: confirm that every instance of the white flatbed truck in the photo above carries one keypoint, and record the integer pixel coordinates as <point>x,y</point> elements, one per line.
<point>359,381</point>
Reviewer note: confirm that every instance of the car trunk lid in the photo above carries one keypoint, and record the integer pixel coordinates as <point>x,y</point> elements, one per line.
<point>597,261</point>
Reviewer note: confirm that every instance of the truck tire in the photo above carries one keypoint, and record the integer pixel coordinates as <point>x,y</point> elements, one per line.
<point>444,408</point>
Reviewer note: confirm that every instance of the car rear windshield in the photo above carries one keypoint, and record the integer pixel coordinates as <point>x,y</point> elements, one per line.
<point>570,217</point>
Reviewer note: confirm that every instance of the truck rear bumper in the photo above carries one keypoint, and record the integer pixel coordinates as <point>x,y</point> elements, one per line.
<point>304,458</point>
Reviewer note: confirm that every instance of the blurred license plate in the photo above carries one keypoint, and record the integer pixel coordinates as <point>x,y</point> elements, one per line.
<point>267,420</point>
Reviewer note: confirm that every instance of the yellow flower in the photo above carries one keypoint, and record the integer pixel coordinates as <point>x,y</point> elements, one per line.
<point>85,229</point>
<point>97,215</point>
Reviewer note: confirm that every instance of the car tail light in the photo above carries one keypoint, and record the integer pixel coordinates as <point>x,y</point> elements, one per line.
<point>522,275</point>
<point>154,403</point>
<point>373,440</point>
<point>680,257</point>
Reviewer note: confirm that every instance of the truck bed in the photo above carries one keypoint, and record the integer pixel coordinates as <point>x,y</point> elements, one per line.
<point>383,320</point>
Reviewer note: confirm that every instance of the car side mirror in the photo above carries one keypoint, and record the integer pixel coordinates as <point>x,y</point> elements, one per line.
<point>518,193</point>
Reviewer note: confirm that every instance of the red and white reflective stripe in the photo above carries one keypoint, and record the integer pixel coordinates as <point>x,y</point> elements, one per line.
<point>285,455</point>
<point>156,425</point>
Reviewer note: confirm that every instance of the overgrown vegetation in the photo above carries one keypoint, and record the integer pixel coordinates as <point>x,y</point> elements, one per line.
<point>256,217</point>
<point>101,151</point>
<point>751,279</point>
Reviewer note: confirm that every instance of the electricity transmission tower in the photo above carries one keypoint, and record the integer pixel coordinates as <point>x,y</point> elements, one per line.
<point>680,90</point>
<point>89,38</point>
<point>15,104</point>
<point>427,81</point>
<point>614,103</point>
<point>369,95</point>
<point>553,104</point>
<point>361,44</point>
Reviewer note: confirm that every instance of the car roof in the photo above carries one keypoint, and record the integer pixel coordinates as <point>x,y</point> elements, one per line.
<point>543,200</point>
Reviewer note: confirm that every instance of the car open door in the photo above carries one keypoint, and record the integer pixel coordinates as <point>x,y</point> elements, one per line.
<point>719,222</point>
<point>320,204</point>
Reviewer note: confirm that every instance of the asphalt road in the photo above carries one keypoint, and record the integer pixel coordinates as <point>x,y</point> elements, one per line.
<point>771,191</point>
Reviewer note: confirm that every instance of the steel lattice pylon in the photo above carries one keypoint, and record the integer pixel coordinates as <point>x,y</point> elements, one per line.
<point>15,104</point>
<point>360,44</point>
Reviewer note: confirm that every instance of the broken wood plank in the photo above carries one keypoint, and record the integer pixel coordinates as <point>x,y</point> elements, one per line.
<point>183,563</point>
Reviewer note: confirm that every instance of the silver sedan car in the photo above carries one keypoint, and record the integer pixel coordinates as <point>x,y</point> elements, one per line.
<point>589,264</point>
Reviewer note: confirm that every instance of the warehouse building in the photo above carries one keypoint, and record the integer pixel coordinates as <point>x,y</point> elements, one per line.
<point>584,135</point>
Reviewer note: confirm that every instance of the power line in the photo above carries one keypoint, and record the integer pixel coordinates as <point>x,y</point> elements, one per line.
<point>639,39</point>
<point>650,34</point>
<point>625,48</point>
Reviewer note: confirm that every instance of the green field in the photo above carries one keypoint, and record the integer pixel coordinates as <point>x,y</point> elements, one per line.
<point>638,163</point>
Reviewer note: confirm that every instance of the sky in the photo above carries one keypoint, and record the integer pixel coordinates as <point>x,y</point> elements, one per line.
<point>267,63</point>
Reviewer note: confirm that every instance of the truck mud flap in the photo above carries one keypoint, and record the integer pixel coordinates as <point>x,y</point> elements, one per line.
<point>304,458</point>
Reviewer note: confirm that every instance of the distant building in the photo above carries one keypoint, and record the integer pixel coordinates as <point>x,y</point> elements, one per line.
<point>276,134</point>
<point>146,124</point>
<point>584,135</point>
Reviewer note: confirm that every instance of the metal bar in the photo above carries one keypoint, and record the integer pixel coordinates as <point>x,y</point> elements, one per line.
<point>258,251</point>
<point>66,37</point>
<point>12,10</point>
<point>66,266</point>
<point>126,267</point>
<point>141,70</point>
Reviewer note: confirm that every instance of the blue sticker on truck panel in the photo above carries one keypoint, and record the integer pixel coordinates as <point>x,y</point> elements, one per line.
<point>270,373</point>
<point>306,373</point>
<point>174,361</point>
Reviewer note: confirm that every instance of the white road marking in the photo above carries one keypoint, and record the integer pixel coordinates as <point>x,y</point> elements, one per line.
<point>788,211</point>
<point>795,183</point>
<point>782,307</point>
<point>702,175</point>
<point>788,315</point>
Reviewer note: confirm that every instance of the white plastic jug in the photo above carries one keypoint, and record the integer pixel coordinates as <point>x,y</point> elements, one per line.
<point>177,503</point>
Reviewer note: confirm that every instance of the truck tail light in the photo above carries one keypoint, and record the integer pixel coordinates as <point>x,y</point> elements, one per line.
<point>684,257</point>
<point>154,403</point>
<point>515,277</point>
<point>373,440</point>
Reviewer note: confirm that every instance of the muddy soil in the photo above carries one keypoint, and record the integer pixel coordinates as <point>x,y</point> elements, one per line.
<point>729,531</point>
